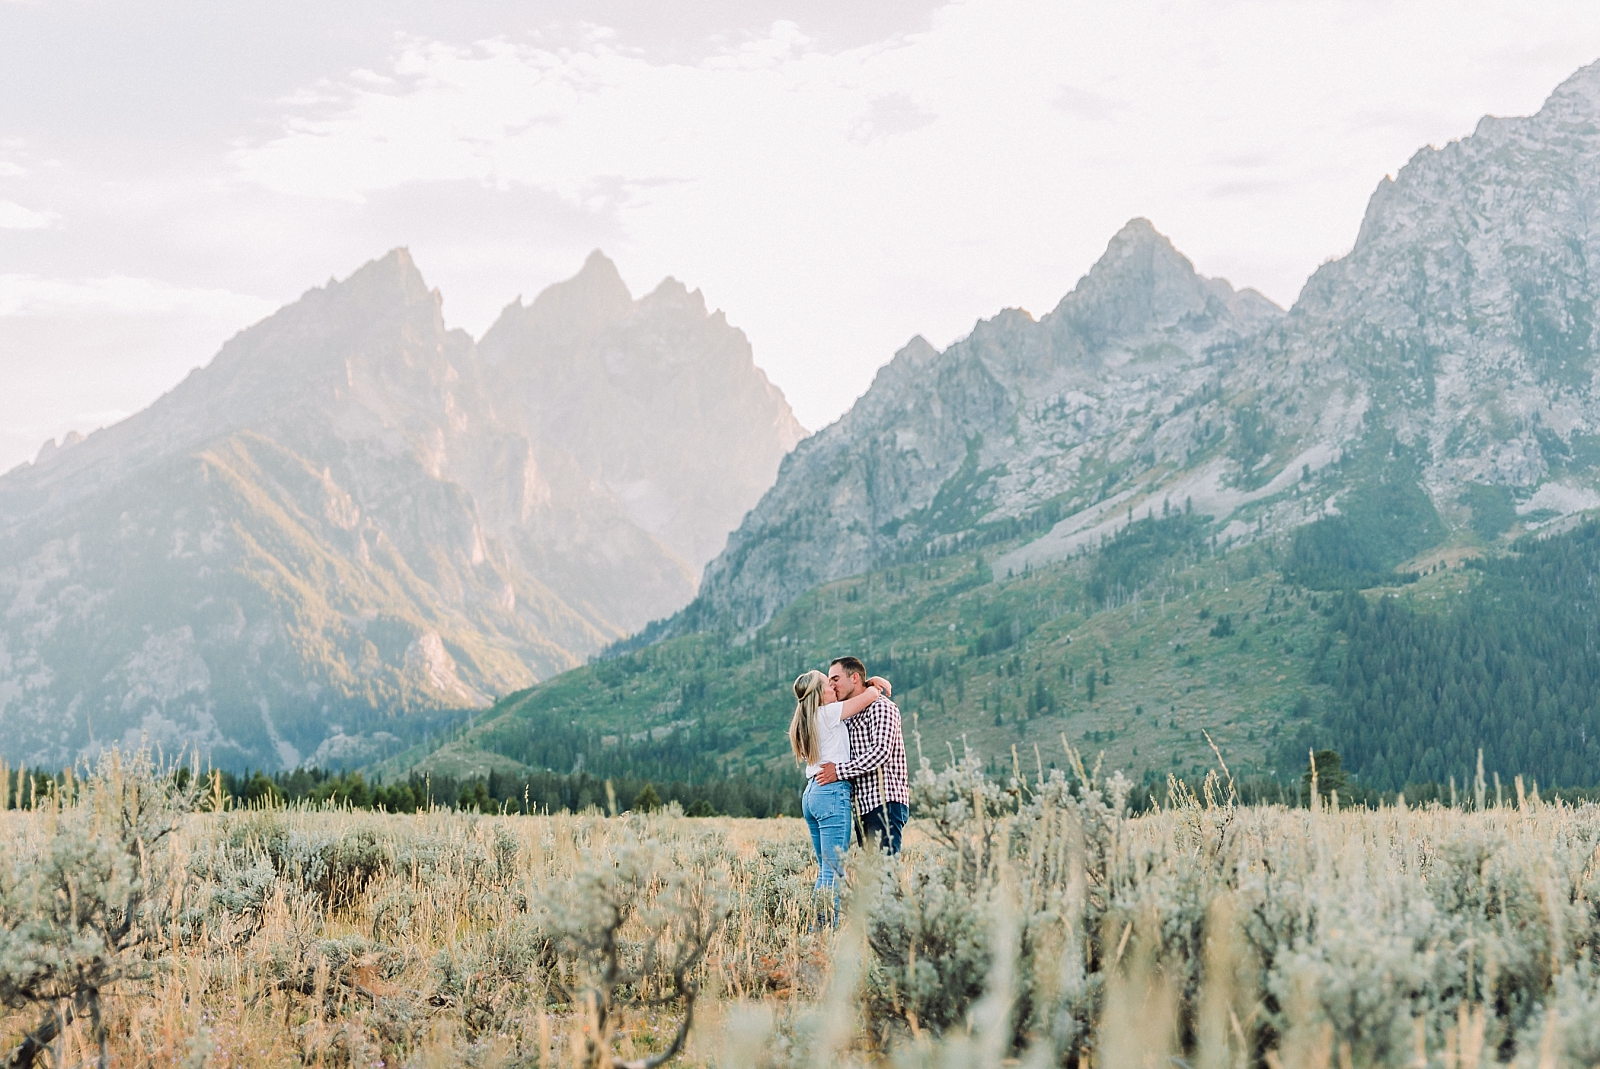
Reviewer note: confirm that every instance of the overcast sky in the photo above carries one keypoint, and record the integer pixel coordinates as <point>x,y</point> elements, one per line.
<point>836,175</point>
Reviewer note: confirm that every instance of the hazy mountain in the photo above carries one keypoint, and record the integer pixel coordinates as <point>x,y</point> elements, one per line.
<point>347,517</point>
<point>1441,374</point>
<point>659,401</point>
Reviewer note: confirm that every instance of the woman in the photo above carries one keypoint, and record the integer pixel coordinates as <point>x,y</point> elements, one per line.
<point>818,736</point>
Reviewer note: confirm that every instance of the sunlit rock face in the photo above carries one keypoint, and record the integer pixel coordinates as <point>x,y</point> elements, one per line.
<point>349,517</point>
<point>1452,350</point>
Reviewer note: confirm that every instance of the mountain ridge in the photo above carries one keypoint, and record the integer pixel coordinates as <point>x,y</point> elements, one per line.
<point>651,385</point>
<point>1461,325</point>
<point>1001,409</point>
<point>346,523</point>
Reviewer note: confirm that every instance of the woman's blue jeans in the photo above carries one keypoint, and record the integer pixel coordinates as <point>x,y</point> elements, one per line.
<point>827,813</point>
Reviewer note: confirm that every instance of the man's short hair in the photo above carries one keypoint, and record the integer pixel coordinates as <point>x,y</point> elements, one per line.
<point>850,664</point>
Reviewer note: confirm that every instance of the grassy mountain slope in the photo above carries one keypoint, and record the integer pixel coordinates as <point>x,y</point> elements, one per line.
<point>1473,644</point>
<point>1212,642</point>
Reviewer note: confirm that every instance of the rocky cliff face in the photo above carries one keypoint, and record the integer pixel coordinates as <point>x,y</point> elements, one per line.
<point>347,517</point>
<point>1465,312</point>
<point>1020,413</point>
<point>1451,355</point>
<point>657,399</point>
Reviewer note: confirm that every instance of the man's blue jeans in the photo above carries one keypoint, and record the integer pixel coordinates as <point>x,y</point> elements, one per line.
<point>884,824</point>
<point>827,813</point>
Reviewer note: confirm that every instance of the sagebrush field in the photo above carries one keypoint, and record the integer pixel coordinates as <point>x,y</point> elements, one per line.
<point>1032,923</point>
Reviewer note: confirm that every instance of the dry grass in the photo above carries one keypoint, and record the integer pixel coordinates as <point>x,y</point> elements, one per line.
<point>1036,927</point>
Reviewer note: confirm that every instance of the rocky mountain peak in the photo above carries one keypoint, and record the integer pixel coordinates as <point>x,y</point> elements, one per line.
<point>1508,167</point>
<point>51,447</point>
<point>672,294</point>
<point>1453,348</point>
<point>591,300</point>
<point>1018,413</point>
<point>1142,283</point>
<point>645,394</point>
<point>350,515</point>
<point>386,285</point>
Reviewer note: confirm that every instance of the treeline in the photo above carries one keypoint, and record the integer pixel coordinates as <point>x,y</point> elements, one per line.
<point>736,796</point>
<point>1509,667</point>
<point>546,740</point>
<point>544,792</point>
<point>1333,785</point>
<point>548,793</point>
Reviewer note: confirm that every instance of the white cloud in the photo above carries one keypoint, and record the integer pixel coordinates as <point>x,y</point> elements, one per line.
<point>14,216</point>
<point>27,295</point>
<point>837,202</point>
<point>834,200</point>
<point>11,170</point>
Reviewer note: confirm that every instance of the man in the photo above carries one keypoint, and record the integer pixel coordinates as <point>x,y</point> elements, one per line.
<point>880,785</point>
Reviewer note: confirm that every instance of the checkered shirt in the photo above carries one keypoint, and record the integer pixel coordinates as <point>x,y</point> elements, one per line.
<point>876,743</point>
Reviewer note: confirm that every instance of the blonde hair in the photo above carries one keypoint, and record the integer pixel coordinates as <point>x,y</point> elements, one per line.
<point>803,728</point>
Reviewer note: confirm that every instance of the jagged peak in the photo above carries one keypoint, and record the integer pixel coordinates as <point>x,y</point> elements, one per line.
<point>1136,230</point>
<point>391,276</point>
<point>1140,236</point>
<point>600,268</point>
<point>673,293</point>
<point>396,264</point>
<point>595,295</point>
<point>917,351</point>
<point>1140,281</point>
<point>598,274</point>
<point>1573,106</point>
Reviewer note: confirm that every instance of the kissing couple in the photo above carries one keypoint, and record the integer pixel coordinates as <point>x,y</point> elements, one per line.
<point>846,732</point>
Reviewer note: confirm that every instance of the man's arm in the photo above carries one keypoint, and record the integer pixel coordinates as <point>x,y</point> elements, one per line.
<point>878,720</point>
<point>877,753</point>
<point>829,772</point>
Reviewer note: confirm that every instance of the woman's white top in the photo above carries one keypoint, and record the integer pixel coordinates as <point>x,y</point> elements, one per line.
<point>833,738</point>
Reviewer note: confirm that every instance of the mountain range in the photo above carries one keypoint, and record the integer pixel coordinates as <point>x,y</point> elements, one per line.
<point>1119,522</point>
<point>355,517</point>
<point>1448,359</point>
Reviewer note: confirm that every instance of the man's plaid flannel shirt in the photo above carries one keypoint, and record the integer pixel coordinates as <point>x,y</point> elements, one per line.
<point>876,743</point>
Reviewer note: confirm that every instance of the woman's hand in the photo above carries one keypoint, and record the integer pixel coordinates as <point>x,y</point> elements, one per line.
<point>882,684</point>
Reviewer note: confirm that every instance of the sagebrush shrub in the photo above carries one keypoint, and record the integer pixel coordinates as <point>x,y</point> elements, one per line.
<point>1032,919</point>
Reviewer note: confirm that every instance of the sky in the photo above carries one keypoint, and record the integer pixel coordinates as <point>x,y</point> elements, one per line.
<point>836,176</point>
